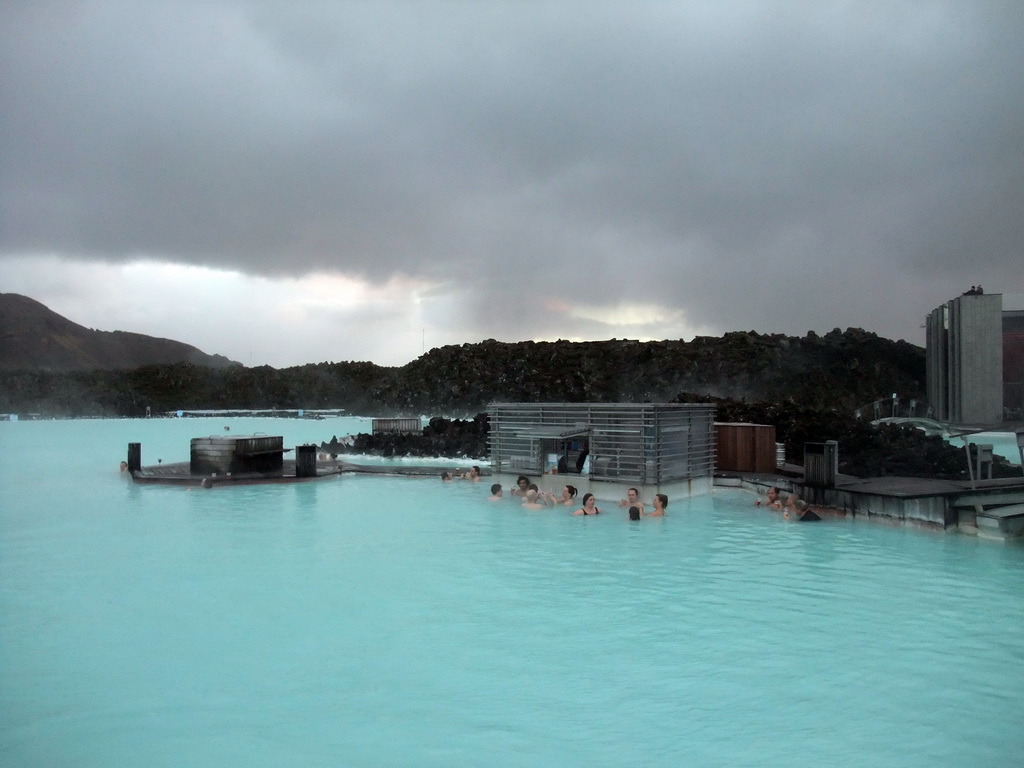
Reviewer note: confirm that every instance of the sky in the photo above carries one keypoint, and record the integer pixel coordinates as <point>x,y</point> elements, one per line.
<point>300,182</point>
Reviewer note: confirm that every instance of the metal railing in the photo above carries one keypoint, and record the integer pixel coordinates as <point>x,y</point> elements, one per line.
<point>894,407</point>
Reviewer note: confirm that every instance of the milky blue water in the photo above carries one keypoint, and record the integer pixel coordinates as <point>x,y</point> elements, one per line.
<point>368,621</point>
<point>1003,444</point>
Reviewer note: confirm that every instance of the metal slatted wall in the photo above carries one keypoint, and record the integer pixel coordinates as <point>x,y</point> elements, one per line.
<point>644,443</point>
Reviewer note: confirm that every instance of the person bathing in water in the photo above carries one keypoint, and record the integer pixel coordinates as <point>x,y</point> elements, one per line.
<point>589,506</point>
<point>530,500</point>
<point>632,499</point>
<point>522,486</point>
<point>660,503</point>
<point>567,499</point>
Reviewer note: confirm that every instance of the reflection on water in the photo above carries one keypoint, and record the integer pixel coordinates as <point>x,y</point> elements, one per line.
<point>396,621</point>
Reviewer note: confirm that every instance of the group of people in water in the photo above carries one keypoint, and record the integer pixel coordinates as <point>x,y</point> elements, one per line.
<point>531,496</point>
<point>472,474</point>
<point>794,508</point>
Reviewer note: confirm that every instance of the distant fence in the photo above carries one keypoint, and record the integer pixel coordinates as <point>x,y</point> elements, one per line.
<point>399,426</point>
<point>893,407</point>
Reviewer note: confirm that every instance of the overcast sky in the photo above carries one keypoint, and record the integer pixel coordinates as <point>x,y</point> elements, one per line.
<point>293,182</point>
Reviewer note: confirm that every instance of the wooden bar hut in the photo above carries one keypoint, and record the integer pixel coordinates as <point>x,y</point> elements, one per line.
<point>236,453</point>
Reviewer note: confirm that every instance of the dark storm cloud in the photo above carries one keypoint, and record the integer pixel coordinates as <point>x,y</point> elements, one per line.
<point>779,166</point>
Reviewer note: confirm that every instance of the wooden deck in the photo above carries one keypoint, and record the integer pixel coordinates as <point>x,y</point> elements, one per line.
<point>433,470</point>
<point>180,474</point>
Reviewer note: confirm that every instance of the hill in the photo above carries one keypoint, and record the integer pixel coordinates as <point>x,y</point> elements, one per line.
<point>808,387</point>
<point>839,371</point>
<point>34,338</point>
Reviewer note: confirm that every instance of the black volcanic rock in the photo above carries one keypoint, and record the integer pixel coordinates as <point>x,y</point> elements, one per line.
<point>865,450</point>
<point>840,369</point>
<point>440,438</point>
<point>34,338</point>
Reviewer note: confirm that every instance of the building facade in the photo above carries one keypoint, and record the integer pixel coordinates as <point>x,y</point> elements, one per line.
<point>975,359</point>
<point>1013,356</point>
<point>651,445</point>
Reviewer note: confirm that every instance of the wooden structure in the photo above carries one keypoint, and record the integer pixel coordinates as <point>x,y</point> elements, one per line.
<point>233,460</point>
<point>821,464</point>
<point>745,447</point>
<point>236,453</point>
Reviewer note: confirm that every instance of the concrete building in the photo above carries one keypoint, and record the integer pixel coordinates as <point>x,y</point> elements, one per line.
<point>975,359</point>
<point>1013,356</point>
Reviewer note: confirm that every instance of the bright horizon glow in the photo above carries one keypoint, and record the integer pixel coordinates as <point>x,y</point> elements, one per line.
<point>288,322</point>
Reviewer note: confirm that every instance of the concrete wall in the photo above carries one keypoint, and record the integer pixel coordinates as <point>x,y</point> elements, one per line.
<point>964,360</point>
<point>1013,356</point>
<point>979,356</point>
<point>928,509</point>
<point>937,363</point>
<point>932,511</point>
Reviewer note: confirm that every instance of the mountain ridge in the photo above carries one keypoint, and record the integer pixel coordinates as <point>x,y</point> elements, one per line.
<point>35,338</point>
<point>840,370</point>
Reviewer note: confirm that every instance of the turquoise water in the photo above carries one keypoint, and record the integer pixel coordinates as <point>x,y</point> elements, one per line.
<point>1003,444</point>
<point>367,621</point>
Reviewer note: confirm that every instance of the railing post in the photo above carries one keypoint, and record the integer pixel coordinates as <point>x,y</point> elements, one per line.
<point>984,455</point>
<point>134,457</point>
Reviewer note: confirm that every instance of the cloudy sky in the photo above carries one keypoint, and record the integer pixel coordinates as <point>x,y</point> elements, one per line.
<point>292,182</point>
